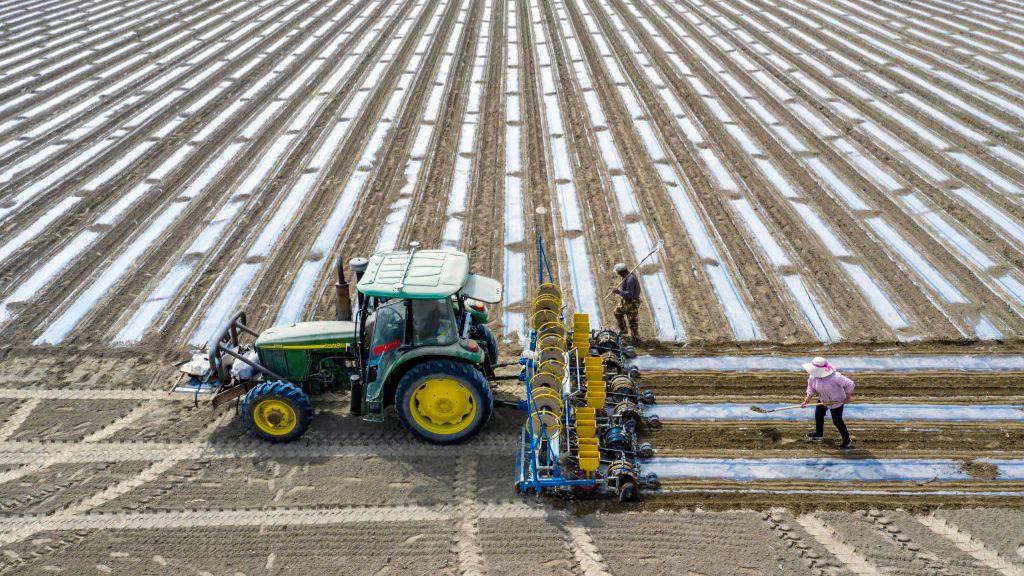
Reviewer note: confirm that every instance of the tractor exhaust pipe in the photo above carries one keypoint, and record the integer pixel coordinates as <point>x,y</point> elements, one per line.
<point>358,266</point>
<point>343,307</point>
<point>343,304</point>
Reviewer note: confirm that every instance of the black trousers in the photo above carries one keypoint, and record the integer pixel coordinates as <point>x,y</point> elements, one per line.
<point>837,419</point>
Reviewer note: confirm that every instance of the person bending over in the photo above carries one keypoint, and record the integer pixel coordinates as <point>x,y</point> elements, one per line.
<point>833,391</point>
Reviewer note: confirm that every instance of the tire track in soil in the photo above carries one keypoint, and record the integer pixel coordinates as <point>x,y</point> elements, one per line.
<point>844,552</point>
<point>973,180</point>
<point>19,417</point>
<point>153,472</point>
<point>932,324</point>
<point>86,267</point>
<point>885,526</point>
<point>773,315</point>
<point>267,193</point>
<point>290,252</point>
<point>584,549</point>
<point>823,270</point>
<point>466,541</point>
<point>778,521</point>
<point>381,189</point>
<point>132,137</point>
<point>970,545</point>
<point>888,551</point>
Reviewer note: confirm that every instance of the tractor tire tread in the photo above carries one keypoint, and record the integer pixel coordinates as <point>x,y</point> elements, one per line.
<point>286,390</point>
<point>464,372</point>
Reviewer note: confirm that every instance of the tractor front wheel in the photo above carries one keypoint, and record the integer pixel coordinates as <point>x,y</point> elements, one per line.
<point>277,411</point>
<point>444,401</point>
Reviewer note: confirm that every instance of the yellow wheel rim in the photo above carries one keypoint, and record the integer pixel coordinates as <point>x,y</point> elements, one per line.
<point>275,417</point>
<point>442,406</point>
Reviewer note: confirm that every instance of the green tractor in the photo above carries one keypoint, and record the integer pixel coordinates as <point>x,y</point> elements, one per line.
<point>418,342</point>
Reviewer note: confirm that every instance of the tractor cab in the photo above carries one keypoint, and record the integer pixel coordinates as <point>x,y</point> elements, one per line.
<point>421,308</point>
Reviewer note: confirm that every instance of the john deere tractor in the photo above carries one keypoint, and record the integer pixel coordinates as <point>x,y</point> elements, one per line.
<point>416,340</point>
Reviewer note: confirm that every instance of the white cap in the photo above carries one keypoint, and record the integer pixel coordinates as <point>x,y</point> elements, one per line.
<point>620,267</point>
<point>819,367</point>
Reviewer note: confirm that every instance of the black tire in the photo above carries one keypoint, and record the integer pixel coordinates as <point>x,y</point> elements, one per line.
<point>277,391</point>
<point>468,376</point>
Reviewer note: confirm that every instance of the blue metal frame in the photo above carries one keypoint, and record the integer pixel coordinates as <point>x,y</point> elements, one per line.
<point>537,448</point>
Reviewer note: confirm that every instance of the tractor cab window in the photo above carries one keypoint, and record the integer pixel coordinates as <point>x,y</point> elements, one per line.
<point>433,323</point>
<point>388,323</point>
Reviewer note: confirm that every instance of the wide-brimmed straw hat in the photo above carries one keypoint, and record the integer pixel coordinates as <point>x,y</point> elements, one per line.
<point>819,367</point>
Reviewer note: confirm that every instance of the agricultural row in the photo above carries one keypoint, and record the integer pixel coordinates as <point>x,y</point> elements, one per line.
<point>820,172</point>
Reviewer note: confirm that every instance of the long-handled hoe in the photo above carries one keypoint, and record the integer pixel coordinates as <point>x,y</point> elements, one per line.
<point>760,410</point>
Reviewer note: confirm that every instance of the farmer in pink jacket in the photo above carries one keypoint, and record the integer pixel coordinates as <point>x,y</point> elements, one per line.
<point>833,390</point>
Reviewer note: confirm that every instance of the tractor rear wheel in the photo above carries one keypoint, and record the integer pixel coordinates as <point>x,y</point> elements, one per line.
<point>277,411</point>
<point>444,401</point>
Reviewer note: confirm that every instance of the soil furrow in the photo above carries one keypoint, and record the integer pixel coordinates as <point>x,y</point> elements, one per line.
<point>825,273</point>
<point>85,268</point>
<point>165,140</point>
<point>698,316</point>
<point>923,182</point>
<point>321,198</point>
<point>381,189</point>
<point>106,36</point>
<point>933,313</point>
<point>103,78</point>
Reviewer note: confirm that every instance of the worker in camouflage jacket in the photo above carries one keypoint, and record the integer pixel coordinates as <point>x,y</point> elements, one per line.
<point>628,309</point>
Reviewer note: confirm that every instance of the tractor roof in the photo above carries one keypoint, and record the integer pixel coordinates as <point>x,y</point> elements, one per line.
<point>432,274</point>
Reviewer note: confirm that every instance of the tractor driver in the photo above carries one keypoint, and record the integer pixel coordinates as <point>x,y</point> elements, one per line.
<point>430,326</point>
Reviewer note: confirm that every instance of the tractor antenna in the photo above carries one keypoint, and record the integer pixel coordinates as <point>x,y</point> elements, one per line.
<point>412,250</point>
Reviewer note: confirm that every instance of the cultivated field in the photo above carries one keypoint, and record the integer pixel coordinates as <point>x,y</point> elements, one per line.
<point>846,173</point>
<point>820,171</point>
